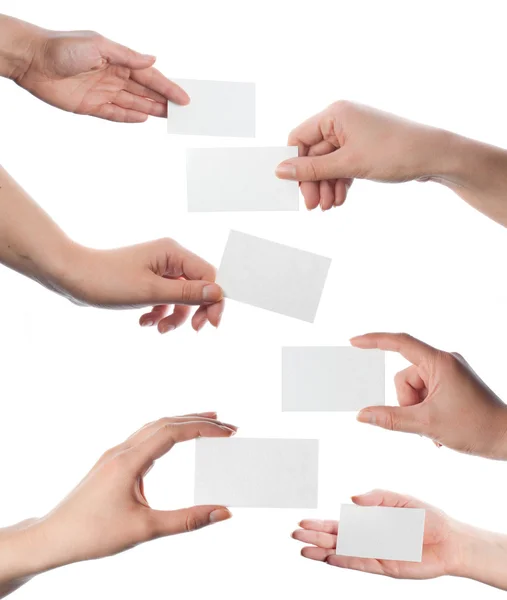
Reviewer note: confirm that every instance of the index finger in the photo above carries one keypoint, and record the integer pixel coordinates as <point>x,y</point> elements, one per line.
<point>146,452</point>
<point>191,266</point>
<point>308,133</point>
<point>409,347</point>
<point>154,80</point>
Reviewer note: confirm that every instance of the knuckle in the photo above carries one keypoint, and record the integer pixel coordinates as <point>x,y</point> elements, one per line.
<point>312,170</point>
<point>342,106</point>
<point>448,360</point>
<point>392,422</point>
<point>192,523</point>
<point>399,378</point>
<point>187,292</point>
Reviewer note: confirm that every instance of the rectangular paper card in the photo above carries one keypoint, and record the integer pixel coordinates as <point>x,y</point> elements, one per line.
<point>272,276</point>
<point>263,473</point>
<point>223,108</point>
<point>331,378</point>
<point>381,532</point>
<point>239,179</point>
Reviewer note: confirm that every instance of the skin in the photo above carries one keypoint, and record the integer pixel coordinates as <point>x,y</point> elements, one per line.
<point>108,512</point>
<point>440,397</point>
<point>85,73</point>
<point>449,547</point>
<point>158,274</point>
<point>350,141</point>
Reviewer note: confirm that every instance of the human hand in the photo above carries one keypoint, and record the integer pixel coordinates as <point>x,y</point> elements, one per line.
<point>443,546</point>
<point>440,397</point>
<point>350,141</point>
<point>85,73</point>
<point>158,274</point>
<point>108,513</point>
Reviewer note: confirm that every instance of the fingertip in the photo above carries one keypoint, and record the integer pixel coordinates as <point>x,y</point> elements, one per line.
<point>366,416</point>
<point>219,514</point>
<point>359,341</point>
<point>212,293</point>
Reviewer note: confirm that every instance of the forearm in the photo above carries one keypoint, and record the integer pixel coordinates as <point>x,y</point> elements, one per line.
<point>477,172</point>
<point>17,42</point>
<point>483,557</point>
<point>23,554</point>
<point>30,241</point>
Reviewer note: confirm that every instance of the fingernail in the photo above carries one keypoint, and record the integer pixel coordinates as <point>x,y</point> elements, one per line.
<point>211,293</point>
<point>366,416</point>
<point>149,56</point>
<point>233,427</point>
<point>228,429</point>
<point>200,325</point>
<point>167,328</point>
<point>219,319</point>
<point>146,323</point>
<point>220,514</point>
<point>286,171</point>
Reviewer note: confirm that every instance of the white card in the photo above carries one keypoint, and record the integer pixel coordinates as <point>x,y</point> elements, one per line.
<point>272,276</point>
<point>381,532</point>
<point>263,473</point>
<point>239,179</point>
<point>331,378</point>
<point>223,108</point>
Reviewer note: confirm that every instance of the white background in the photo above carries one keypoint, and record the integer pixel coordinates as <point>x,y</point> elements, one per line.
<point>408,257</point>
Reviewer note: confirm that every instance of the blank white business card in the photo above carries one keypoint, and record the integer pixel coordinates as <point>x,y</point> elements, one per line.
<point>239,179</point>
<point>381,532</point>
<point>272,276</point>
<point>263,473</point>
<point>330,378</point>
<point>220,108</point>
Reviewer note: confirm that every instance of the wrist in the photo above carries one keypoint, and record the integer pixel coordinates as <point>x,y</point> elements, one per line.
<point>481,555</point>
<point>19,42</point>
<point>443,156</point>
<point>24,552</point>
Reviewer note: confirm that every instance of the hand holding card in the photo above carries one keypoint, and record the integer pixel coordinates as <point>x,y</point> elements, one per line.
<point>383,536</point>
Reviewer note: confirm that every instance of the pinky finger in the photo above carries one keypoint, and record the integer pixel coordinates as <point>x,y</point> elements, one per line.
<point>341,189</point>
<point>314,553</point>
<point>112,112</point>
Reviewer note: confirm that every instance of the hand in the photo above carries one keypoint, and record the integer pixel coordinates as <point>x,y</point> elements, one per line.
<point>158,274</point>
<point>440,397</point>
<point>443,547</point>
<point>108,511</point>
<point>348,141</point>
<point>85,73</point>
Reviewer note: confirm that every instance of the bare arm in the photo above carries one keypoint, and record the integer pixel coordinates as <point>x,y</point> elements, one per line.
<point>350,141</point>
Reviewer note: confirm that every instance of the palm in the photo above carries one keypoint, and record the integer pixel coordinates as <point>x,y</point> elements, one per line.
<point>84,73</point>
<point>439,547</point>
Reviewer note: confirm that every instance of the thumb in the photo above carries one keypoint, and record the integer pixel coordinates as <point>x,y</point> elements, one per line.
<point>312,168</point>
<point>188,519</point>
<point>120,55</point>
<point>395,418</point>
<point>182,291</point>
